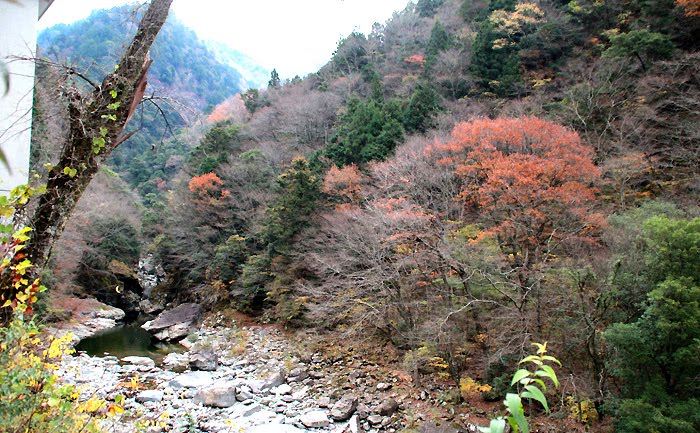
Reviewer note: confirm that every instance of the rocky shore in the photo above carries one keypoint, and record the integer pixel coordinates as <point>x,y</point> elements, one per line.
<point>246,379</point>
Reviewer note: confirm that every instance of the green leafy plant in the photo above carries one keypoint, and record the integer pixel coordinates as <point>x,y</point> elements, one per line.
<point>531,386</point>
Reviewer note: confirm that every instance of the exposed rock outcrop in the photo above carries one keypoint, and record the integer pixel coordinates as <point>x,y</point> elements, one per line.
<point>175,324</point>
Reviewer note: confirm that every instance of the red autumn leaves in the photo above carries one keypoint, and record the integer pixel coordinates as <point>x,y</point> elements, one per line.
<point>208,189</point>
<point>527,179</point>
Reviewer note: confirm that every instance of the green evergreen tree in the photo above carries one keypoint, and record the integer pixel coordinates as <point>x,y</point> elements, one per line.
<point>643,45</point>
<point>274,79</point>
<point>298,190</point>
<point>215,147</point>
<point>657,354</point>
<point>368,131</point>
<point>496,69</point>
<point>428,8</point>
<point>419,114</point>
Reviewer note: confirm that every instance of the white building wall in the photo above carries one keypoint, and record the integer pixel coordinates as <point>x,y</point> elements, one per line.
<point>18,34</point>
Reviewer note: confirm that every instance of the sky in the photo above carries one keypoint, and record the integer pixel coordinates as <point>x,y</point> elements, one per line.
<point>296,37</point>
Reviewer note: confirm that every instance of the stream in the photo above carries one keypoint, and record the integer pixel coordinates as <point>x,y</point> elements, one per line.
<point>126,340</point>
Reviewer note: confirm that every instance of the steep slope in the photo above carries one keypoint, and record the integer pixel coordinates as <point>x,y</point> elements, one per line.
<point>184,68</point>
<point>185,73</point>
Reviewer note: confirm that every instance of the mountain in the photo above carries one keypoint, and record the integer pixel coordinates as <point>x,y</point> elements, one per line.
<point>254,75</point>
<point>189,76</point>
<point>184,67</point>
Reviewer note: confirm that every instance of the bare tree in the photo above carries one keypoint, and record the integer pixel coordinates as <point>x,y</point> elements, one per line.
<point>96,128</point>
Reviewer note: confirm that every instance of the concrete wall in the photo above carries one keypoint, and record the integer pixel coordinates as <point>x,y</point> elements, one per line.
<point>18,33</point>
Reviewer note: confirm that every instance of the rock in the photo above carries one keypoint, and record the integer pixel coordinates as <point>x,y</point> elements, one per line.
<point>243,394</point>
<point>150,395</point>
<point>382,386</point>
<point>256,386</point>
<point>149,307</point>
<point>205,360</point>
<point>274,428</point>
<point>297,375</point>
<point>107,312</point>
<point>220,395</point>
<point>375,419</point>
<point>344,408</point>
<point>174,324</point>
<point>324,401</point>
<point>140,361</point>
<point>353,426</point>
<point>245,411</point>
<point>388,407</point>
<point>176,360</point>
<point>283,389</point>
<point>315,419</point>
<point>431,427</point>
<point>316,374</point>
<point>187,343</point>
<point>277,379</point>
<point>195,379</point>
<point>362,411</point>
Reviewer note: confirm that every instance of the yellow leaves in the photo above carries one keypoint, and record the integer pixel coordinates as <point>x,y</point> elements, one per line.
<point>21,234</point>
<point>22,267</point>
<point>114,410</point>
<point>583,411</point>
<point>513,25</point>
<point>467,385</point>
<point>92,405</point>
<point>70,172</point>
<point>57,348</point>
<point>403,249</point>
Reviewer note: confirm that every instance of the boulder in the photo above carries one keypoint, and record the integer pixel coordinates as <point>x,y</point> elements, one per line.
<point>432,427</point>
<point>344,408</point>
<point>244,394</point>
<point>382,386</point>
<point>205,360</point>
<point>195,379</point>
<point>283,389</point>
<point>175,324</point>
<point>315,419</point>
<point>297,375</point>
<point>388,407</point>
<point>375,419</point>
<point>149,307</point>
<point>220,395</point>
<point>278,378</point>
<point>140,361</point>
<point>176,361</point>
<point>150,395</point>
<point>274,428</point>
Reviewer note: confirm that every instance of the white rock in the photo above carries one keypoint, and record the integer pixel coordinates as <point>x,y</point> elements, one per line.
<point>315,419</point>
<point>194,379</point>
<point>150,395</point>
<point>283,389</point>
<point>273,428</point>
<point>219,395</point>
<point>139,360</point>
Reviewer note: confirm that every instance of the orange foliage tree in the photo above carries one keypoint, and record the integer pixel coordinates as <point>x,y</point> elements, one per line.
<point>529,182</point>
<point>345,183</point>
<point>692,7</point>
<point>529,179</point>
<point>208,189</point>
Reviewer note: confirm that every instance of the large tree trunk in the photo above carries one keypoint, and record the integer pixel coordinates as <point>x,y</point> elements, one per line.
<point>97,124</point>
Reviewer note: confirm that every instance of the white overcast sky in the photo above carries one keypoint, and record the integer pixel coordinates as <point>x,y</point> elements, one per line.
<point>294,36</point>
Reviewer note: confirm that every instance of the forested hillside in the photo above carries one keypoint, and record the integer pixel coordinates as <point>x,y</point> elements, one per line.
<point>470,177</point>
<point>186,79</point>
